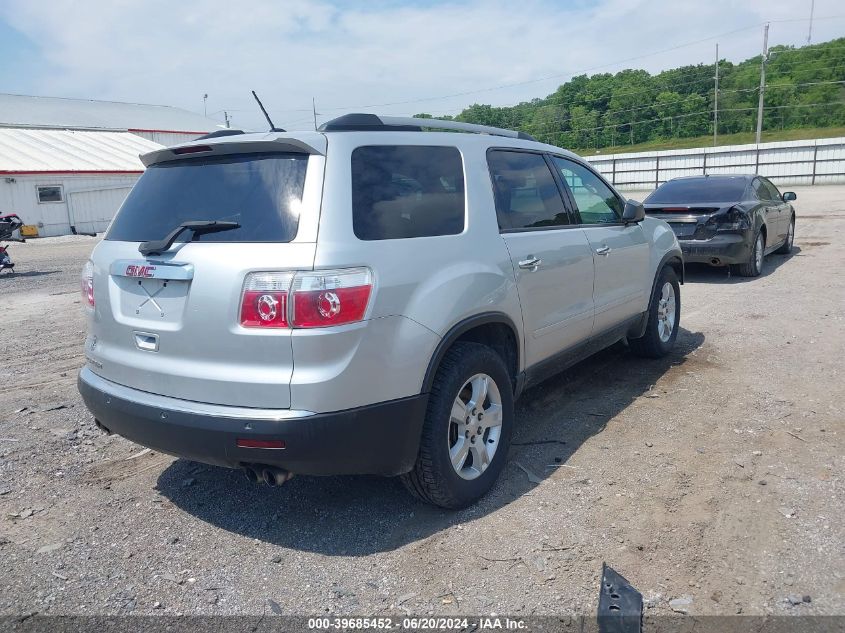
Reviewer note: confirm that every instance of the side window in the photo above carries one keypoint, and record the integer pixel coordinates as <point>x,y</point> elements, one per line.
<point>760,190</point>
<point>525,191</point>
<point>596,202</point>
<point>774,194</point>
<point>405,191</point>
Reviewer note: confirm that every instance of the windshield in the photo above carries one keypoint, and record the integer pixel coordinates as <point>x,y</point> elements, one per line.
<point>261,192</point>
<point>698,190</point>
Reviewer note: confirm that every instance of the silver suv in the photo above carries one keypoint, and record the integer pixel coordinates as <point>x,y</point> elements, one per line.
<point>368,298</point>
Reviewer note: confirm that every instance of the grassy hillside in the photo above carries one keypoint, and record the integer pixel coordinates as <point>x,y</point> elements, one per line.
<point>805,90</point>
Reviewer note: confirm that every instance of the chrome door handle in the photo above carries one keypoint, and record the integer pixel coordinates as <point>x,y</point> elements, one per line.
<point>532,263</point>
<point>603,250</point>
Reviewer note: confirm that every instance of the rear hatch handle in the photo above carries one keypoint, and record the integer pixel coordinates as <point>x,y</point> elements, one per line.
<point>157,247</point>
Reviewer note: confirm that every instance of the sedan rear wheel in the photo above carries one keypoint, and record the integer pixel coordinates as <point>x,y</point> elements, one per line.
<point>786,249</point>
<point>754,266</point>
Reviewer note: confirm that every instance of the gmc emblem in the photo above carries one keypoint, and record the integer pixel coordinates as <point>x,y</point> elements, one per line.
<point>139,271</point>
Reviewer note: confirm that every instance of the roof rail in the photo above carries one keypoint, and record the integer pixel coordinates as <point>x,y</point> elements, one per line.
<point>375,123</point>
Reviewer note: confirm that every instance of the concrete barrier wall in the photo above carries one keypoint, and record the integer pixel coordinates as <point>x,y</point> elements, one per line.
<point>812,162</point>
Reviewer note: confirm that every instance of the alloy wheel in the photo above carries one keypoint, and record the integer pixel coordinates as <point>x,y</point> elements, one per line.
<point>475,426</point>
<point>666,307</point>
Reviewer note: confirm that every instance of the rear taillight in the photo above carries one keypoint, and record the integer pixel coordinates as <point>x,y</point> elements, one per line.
<point>734,219</point>
<point>86,283</point>
<point>265,300</point>
<point>330,297</point>
<point>305,299</point>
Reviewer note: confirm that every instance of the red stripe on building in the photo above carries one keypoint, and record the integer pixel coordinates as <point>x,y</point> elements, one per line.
<point>165,131</point>
<point>83,172</point>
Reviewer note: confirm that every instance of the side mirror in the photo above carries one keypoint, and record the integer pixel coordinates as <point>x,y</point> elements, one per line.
<point>789,196</point>
<point>634,212</point>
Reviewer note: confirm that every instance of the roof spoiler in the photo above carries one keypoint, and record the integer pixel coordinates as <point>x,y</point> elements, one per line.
<point>197,149</point>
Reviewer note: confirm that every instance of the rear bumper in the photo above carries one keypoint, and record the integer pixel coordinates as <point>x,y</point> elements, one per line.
<point>380,439</point>
<point>727,248</point>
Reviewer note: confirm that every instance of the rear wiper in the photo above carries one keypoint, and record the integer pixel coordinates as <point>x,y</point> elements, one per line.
<point>157,247</point>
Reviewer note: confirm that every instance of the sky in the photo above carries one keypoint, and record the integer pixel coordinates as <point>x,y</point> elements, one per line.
<point>386,56</point>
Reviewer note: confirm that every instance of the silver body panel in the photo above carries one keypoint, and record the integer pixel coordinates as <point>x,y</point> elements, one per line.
<point>174,334</point>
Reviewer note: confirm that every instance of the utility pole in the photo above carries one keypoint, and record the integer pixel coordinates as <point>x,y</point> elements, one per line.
<point>810,32</point>
<point>314,110</point>
<point>716,100</point>
<point>762,81</point>
<point>226,117</point>
<point>204,103</point>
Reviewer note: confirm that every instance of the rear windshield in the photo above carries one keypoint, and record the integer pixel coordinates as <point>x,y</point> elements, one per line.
<point>406,191</point>
<point>261,192</point>
<point>698,190</point>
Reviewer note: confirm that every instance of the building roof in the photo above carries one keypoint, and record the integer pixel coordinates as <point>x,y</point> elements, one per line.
<point>81,114</point>
<point>66,151</point>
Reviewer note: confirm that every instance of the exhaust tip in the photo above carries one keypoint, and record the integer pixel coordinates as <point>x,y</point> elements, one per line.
<point>251,474</point>
<point>275,476</point>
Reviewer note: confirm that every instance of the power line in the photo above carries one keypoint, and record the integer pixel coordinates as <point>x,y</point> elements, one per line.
<point>577,73</point>
<point>668,86</point>
<point>691,114</point>
<point>607,113</point>
<point>571,75</point>
<point>548,77</point>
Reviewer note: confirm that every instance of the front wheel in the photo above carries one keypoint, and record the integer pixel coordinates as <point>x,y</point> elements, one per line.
<point>467,430</point>
<point>664,317</point>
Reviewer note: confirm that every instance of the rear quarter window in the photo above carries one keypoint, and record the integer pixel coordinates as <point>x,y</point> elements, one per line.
<point>407,191</point>
<point>261,192</point>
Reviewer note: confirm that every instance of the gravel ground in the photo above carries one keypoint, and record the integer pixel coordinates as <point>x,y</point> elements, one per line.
<point>715,474</point>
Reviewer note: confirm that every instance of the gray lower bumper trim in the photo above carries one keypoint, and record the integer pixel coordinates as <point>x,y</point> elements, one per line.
<point>186,406</point>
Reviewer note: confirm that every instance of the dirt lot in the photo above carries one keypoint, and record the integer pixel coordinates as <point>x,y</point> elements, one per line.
<point>714,474</point>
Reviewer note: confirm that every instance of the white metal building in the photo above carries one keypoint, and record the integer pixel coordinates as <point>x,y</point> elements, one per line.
<point>66,165</point>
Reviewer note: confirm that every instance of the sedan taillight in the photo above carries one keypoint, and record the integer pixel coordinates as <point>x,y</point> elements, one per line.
<point>734,219</point>
<point>305,299</point>
<point>86,283</point>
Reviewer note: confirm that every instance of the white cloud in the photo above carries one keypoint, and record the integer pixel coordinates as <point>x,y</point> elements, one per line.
<point>167,52</point>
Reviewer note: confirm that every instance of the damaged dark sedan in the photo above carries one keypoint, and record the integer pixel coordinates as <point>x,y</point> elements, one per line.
<point>726,220</point>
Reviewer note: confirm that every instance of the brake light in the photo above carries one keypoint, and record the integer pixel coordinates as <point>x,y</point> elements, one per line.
<point>330,297</point>
<point>305,299</point>
<point>734,219</point>
<point>265,300</point>
<point>192,149</point>
<point>86,283</point>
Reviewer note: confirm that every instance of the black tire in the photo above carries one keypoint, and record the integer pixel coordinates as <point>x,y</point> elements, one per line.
<point>752,268</point>
<point>433,478</point>
<point>650,344</point>
<point>786,248</point>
